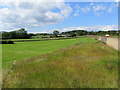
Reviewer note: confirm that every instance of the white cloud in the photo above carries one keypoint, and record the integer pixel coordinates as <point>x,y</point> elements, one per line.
<point>77,10</point>
<point>117,0</point>
<point>98,7</point>
<point>93,28</point>
<point>76,14</point>
<point>32,14</point>
<point>110,10</point>
<point>91,4</point>
<point>86,9</point>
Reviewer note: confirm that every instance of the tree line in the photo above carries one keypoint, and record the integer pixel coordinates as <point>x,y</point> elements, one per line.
<point>22,33</point>
<point>85,32</point>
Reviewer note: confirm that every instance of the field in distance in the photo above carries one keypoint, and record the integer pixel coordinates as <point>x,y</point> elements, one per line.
<point>71,63</point>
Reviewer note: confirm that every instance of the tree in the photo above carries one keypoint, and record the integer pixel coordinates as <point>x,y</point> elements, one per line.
<point>84,33</point>
<point>17,34</point>
<point>55,33</point>
<point>5,35</point>
<point>79,32</point>
<point>72,34</point>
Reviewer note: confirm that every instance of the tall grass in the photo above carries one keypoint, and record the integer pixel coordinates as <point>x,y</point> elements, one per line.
<point>91,65</point>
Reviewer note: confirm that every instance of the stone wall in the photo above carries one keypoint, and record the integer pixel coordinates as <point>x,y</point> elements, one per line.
<point>113,42</point>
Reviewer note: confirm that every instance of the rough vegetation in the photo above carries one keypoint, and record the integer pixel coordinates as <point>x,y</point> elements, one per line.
<point>88,64</point>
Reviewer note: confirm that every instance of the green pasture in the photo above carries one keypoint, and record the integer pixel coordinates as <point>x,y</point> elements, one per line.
<point>24,50</point>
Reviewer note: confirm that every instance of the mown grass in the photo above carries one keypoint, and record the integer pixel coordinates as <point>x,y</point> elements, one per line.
<point>91,65</point>
<point>24,50</point>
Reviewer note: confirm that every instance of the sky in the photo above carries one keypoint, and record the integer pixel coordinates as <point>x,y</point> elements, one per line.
<point>63,16</point>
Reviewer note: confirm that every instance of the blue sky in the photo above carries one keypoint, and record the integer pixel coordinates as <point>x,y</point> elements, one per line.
<point>65,16</point>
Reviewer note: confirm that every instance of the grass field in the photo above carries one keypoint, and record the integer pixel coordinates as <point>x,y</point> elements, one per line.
<point>24,50</point>
<point>81,63</point>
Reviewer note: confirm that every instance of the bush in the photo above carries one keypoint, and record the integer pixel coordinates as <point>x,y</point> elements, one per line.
<point>3,42</point>
<point>10,42</point>
<point>6,42</point>
<point>51,36</point>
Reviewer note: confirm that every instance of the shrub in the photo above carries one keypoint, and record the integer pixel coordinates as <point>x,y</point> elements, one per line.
<point>10,42</point>
<point>6,42</point>
<point>3,42</point>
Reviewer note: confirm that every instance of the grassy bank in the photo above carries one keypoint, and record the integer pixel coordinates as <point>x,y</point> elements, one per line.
<point>84,65</point>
